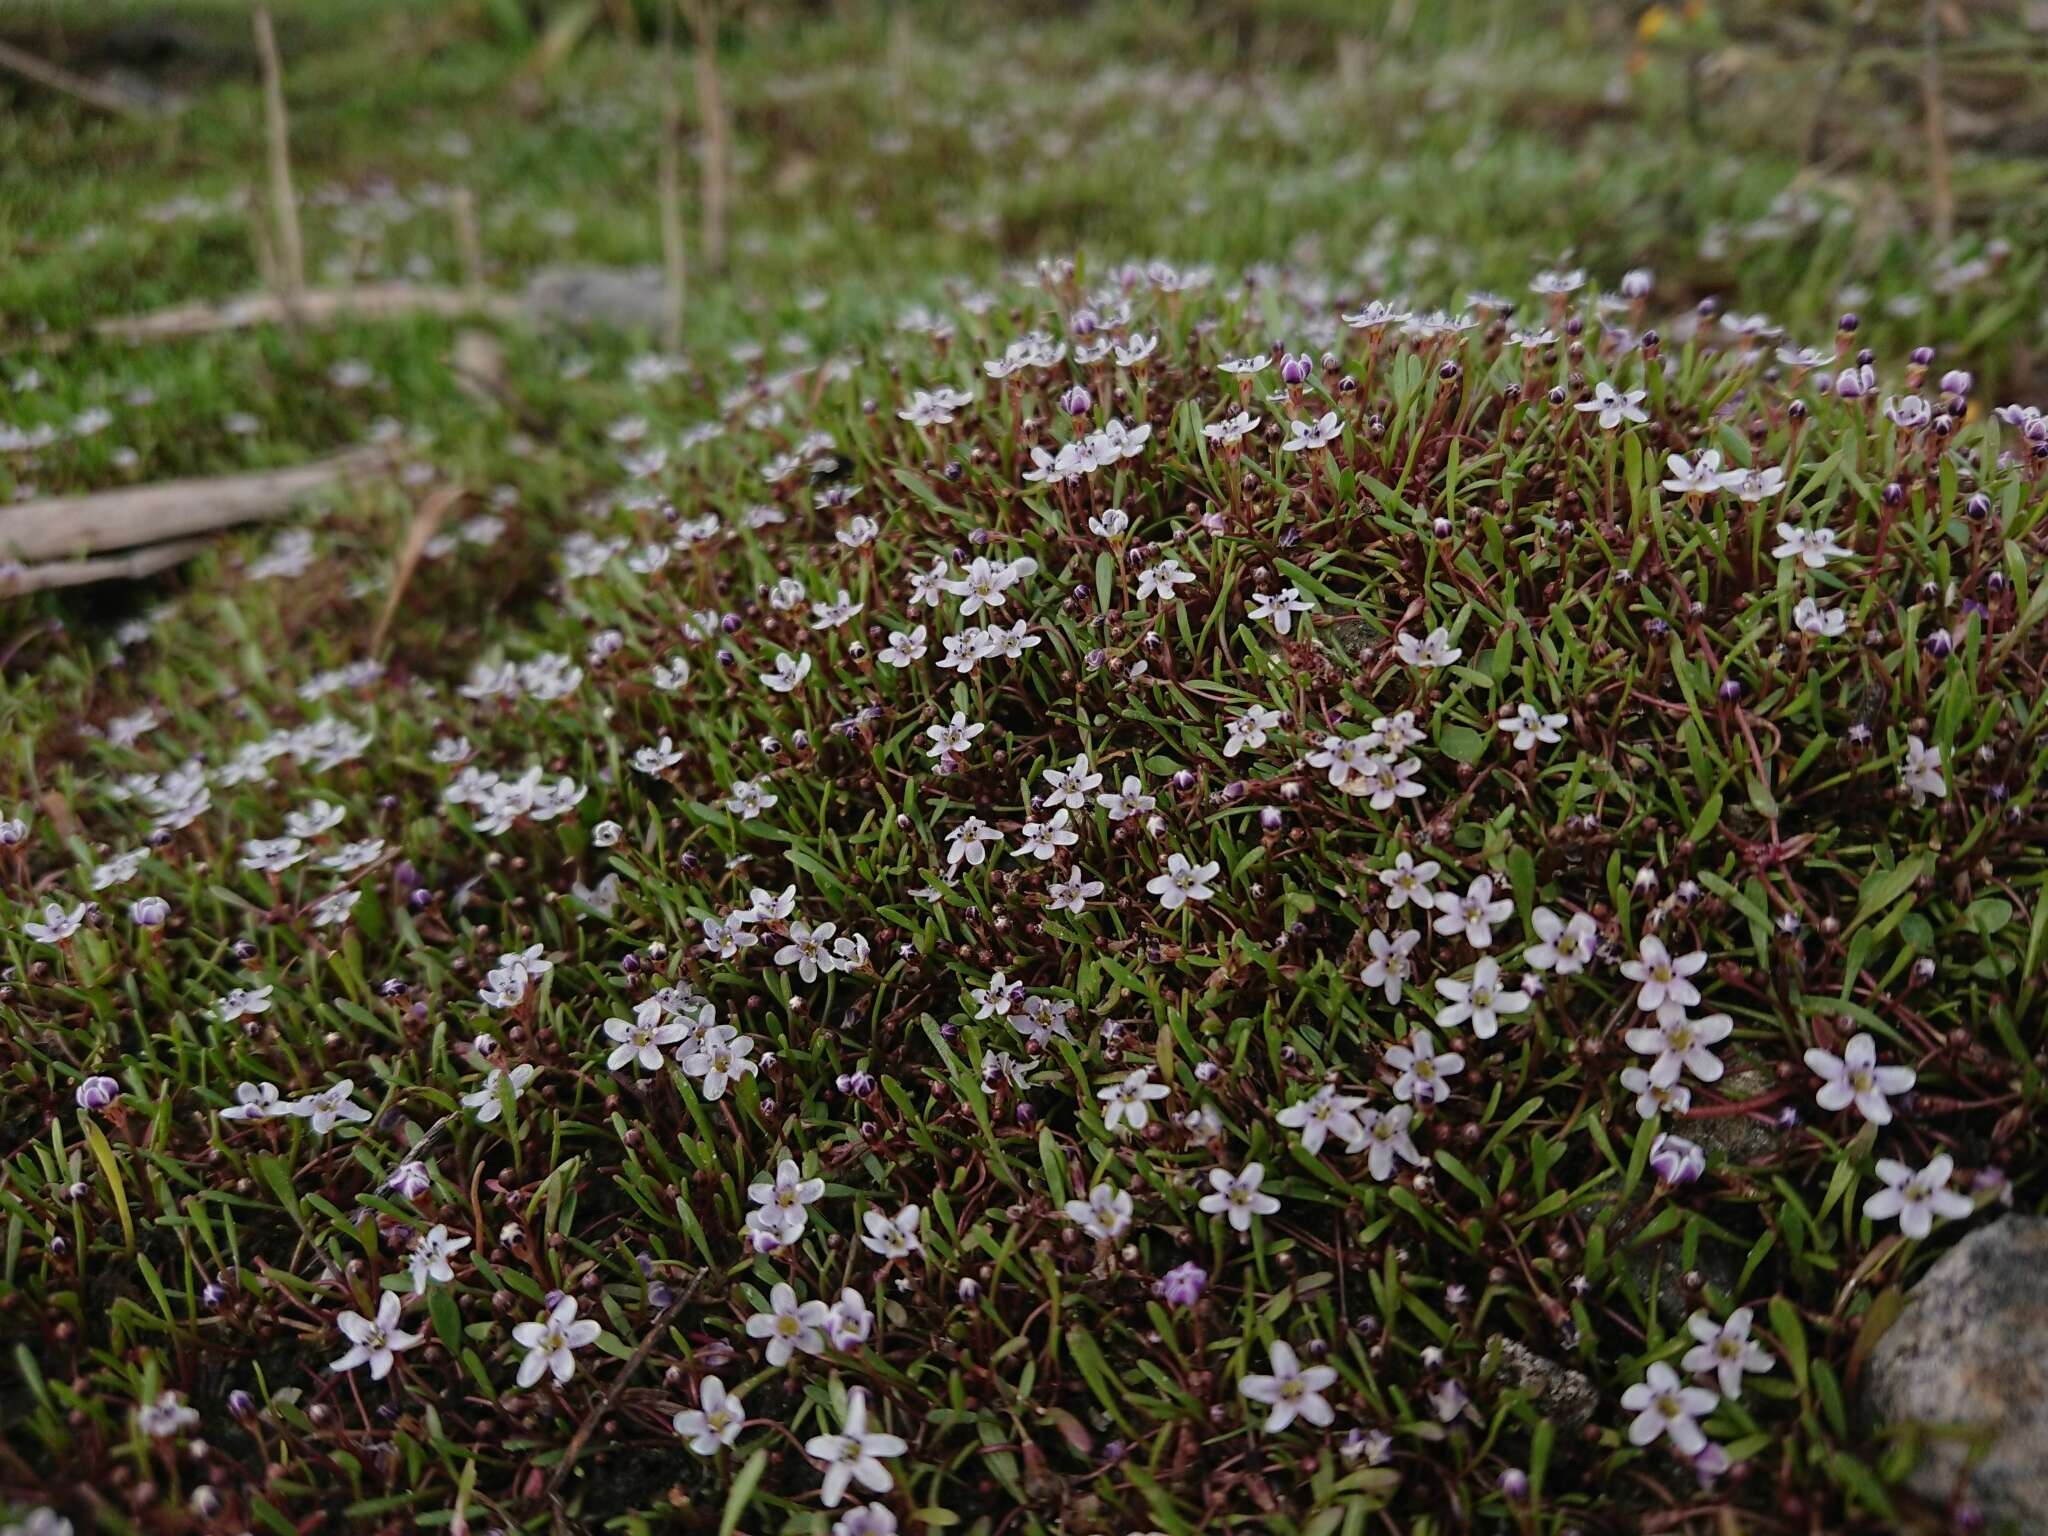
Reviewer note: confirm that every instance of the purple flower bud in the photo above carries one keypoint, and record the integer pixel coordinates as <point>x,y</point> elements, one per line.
<point>1075,400</point>
<point>1978,507</point>
<point>1731,690</point>
<point>409,1179</point>
<point>1184,780</point>
<point>1677,1161</point>
<point>1514,1483</point>
<point>96,1093</point>
<point>969,1290</point>
<point>213,1295</point>
<point>1941,645</point>
<point>149,912</point>
<point>1920,357</point>
<point>1296,369</point>
<point>240,1404</point>
<point>1271,818</point>
<point>1956,383</point>
<point>1182,1286</point>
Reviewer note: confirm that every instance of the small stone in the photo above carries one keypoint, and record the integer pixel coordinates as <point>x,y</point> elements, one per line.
<point>1970,1350</point>
<point>1556,1391</point>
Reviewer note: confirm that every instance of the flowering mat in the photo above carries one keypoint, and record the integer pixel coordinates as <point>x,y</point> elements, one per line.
<point>1068,923</point>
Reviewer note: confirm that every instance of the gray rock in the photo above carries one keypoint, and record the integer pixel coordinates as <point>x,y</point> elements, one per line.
<point>1559,1393</point>
<point>603,298</point>
<point>1970,1351</point>
<point>1740,1139</point>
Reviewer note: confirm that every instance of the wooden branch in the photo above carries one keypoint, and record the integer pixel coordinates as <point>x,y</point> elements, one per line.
<point>63,527</point>
<point>284,201</point>
<point>55,77</point>
<point>467,241</point>
<point>1941,191</point>
<point>668,191</point>
<point>610,1400</point>
<point>132,566</point>
<point>424,522</point>
<point>319,306</point>
<point>716,171</point>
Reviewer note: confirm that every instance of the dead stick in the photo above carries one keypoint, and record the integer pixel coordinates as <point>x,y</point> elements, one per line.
<point>467,241</point>
<point>1942,194</point>
<point>55,77</point>
<point>63,527</point>
<point>424,523</point>
<point>669,190</point>
<point>133,566</point>
<point>284,201</point>
<point>610,1400</point>
<point>318,306</point>
<point>716,188</point>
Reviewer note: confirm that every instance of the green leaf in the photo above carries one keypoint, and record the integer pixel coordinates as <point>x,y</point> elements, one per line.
<point>1791,1335</point>
<point>742,1491</point>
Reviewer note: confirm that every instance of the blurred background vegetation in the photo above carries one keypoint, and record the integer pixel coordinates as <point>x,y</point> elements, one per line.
<point>1798,157</point>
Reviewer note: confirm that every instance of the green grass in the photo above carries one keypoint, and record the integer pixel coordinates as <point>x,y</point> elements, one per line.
<point>1720,779</point>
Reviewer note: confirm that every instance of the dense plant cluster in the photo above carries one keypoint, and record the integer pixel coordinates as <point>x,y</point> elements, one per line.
<point>1150,901</point>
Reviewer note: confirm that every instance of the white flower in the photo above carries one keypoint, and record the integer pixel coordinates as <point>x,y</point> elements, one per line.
<point>1529,725</point>
<point>1921,772</point>
<point>1183,882</point>
<point>1665,1406</point>
<point>1564,947</point>
<point>1073,893</point>
<point>1160,580</point>
<point>1664,985</point>
<point>1042,839</point>
<point>850,1322</point>
<point>971,841</point>
<point>1323,1114</point>
<point>1481,1001</point>
<point>57,925</point>
<point>854,1455</point>
<point>488,1100</point>
<point>255,1101</point>
<point>1812,549</point>
<point>1425,1072</point>
<point>1237,1196</point>
<point>808,949</point>
<point>747,800</point>
<point>376,1342</point>
<point>1385,1138</point>
<point>1391,964</point>
<point>1249,729</point>
<point>168,1416</point>
<point>789,672</point>
<point>1127,801</point>
<point>1231,429</point>
<point>1916,1198</point>
<point>1725,1350</point>
<point>1653,1097</point>
<point>1755,484</point>
<point>1474,913</point>
<point>329,1107</point>
<point>1811,619</point>
<point>550,1342</point>
<point>789,1325</point>
<point>334,908</point>
<point>786,1200</point>
<point>1292,1391</point>
<point>722,1058</point>
<point>1432,652</point>
<point>272,855</point>
<point>1319,433</point>
<point>1694,477</point>
<point>1854,1077</point>
<point>1408,881</point>
<point>1680,1044</point>
<point>1069,787</point>
<point>1129,1100</point>
<point>429,1258</point>
<point>952,736</point>
<point>657,759</point>
<point>716,1420</point>
<point>1613,407</point>
<point>905,646</point>
<point>893,1237</point>
<point>642,1038</point>
<point>1105,1215</point>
